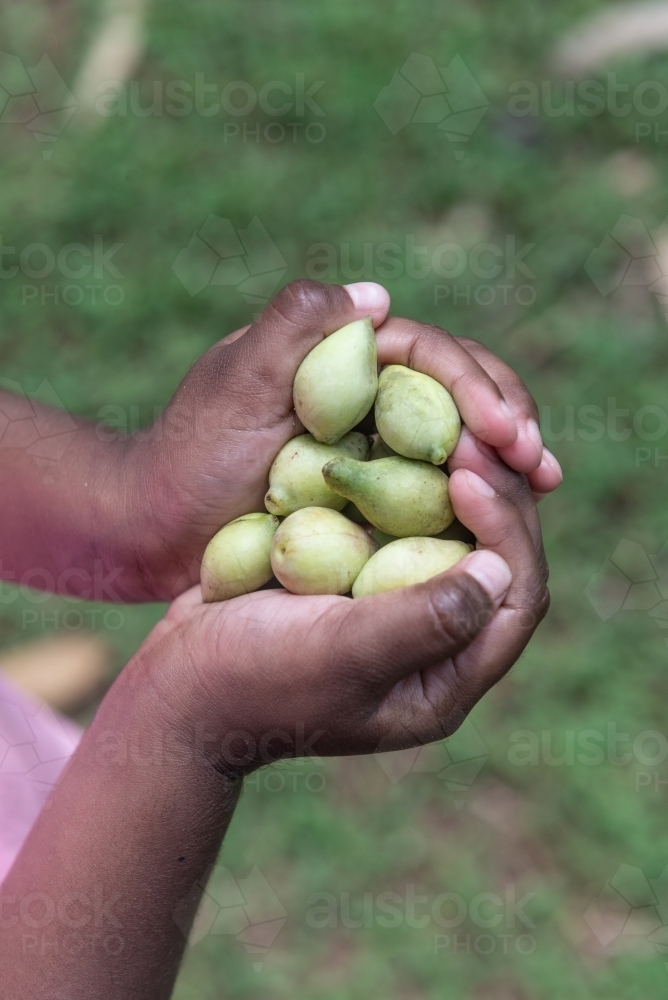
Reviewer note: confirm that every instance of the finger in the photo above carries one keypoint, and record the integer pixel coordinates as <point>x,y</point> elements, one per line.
<point>299,317</point>
<point>434,352</point>
<point>547,476</point>
<point>478,457</point>
<point>496,519</point>
<point>433,705</point>
<point>498,524</point>
<point>387,636</point>
<point>526,454</point>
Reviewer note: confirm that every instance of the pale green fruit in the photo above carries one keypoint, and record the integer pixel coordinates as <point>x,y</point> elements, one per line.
<point>415,415</point>
<point>407,561</point>
<point>318,551</point>
<point>336,383</point>
<point>295,478</point>
<point>398,495</point>
<point>237,559</point>
<point>380,448</point>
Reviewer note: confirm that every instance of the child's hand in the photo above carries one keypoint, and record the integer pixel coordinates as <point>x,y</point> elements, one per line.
<point>208,458</point>
<point>216,690</point>
<point>264,672</point>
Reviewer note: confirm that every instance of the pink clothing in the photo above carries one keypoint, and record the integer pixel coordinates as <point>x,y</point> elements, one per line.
<point>35,745</point>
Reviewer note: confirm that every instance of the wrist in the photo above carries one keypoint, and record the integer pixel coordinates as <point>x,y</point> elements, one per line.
<point>196,719</point>
<point>152,722</point>
<point>152,546</point>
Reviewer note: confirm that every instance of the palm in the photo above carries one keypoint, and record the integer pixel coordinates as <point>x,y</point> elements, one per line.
<point>301,644</point>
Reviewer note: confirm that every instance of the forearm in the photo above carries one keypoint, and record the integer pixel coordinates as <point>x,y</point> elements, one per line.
<point>134,824</point>
<point>71,521</point>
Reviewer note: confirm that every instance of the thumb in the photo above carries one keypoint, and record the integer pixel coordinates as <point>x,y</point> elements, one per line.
<point>390,636</point>
<point>299,317</point>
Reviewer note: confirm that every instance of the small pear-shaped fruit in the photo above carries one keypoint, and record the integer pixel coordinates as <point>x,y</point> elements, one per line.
<point>407,561</point>
<point>318,551</point>
<point>397,495</point>
<point>415,415</point>
<point>380,448</point>
<point>295,478</point>
<point>237,559</point>
<point>336,383</point>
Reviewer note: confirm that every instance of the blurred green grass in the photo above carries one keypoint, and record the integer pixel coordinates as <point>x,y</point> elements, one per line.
<point>560,831</point>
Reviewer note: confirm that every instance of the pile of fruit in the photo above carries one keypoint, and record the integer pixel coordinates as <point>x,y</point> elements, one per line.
<point>359,515</point>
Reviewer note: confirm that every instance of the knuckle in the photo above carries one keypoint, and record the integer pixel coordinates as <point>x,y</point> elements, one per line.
<point>459,612</point>
<point>543,601</point>
<point>302,297</point>
<point>426,338</point>
<point>533,605</point>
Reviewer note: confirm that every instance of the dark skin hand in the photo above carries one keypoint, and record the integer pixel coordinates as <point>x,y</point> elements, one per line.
<point>127,518</point>
<point>218,690</point>
<point>222,689</point>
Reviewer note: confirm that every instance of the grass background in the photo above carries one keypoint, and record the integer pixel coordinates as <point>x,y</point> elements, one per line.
<point>557,830</point>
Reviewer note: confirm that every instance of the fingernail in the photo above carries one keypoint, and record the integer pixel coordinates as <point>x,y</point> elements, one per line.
<point>550,461</point>
<point>532,431</point>
<point>479,486</point>
<point>491,571</point>
<point>368,296</point>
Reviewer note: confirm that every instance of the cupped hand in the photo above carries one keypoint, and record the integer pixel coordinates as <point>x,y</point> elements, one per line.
<point>273,675</point>
<point>206,460</point>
